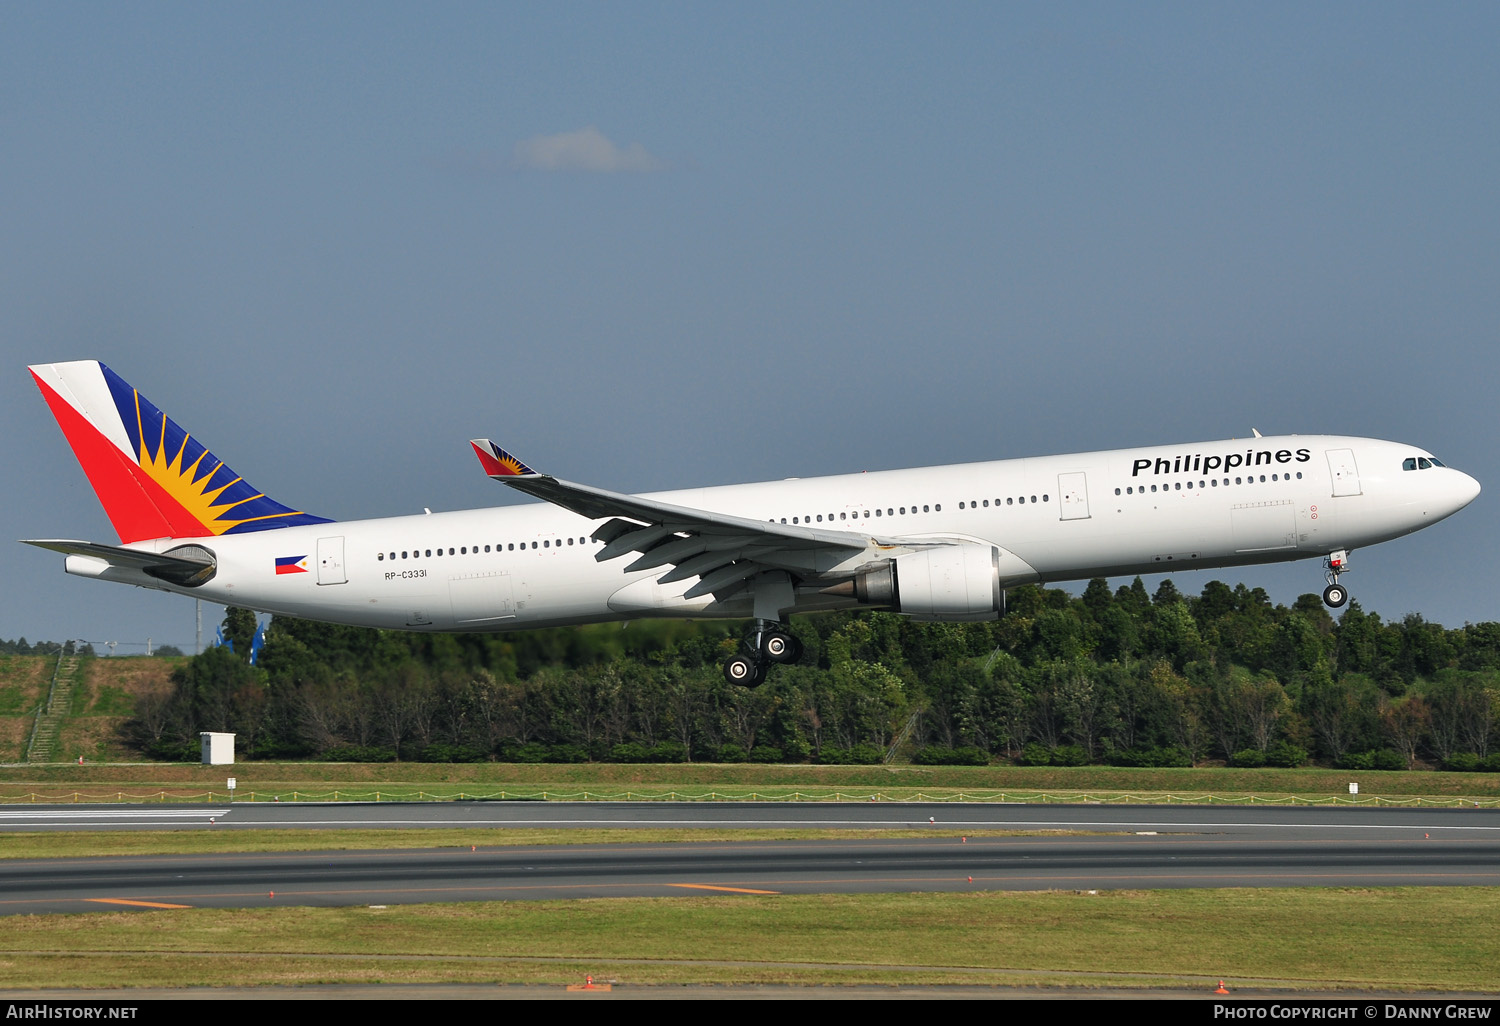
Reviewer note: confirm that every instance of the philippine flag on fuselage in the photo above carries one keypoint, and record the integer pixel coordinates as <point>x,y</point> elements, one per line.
<point>291,564</point>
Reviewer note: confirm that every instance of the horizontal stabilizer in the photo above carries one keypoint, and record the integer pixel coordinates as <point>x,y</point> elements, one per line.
<point>186,565</point>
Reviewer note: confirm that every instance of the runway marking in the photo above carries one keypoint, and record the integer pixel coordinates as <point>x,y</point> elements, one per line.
<point>123,814</point>
<point>949,825</point>
<point>731,890</point>
<point>141,904</point>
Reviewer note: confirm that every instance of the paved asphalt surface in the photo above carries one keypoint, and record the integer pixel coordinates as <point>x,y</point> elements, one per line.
<point>1115,847</point>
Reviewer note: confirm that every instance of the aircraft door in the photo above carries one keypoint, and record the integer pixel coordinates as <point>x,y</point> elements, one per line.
<point>331,561</point>
<point>1344,472</point>
<point>1073,496</point>
<point>481,599</point>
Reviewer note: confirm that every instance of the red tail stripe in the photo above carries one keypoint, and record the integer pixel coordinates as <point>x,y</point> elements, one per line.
<point>137,506</point>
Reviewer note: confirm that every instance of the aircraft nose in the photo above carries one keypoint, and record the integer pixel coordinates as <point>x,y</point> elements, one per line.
<point>1468,489</point>
<point>1458,491</point>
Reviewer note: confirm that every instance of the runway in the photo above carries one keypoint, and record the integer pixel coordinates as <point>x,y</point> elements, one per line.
<point>1280,821</point>
<point>1112,847</point>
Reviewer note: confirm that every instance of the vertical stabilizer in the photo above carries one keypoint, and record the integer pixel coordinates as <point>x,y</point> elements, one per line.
<point>153,479</point>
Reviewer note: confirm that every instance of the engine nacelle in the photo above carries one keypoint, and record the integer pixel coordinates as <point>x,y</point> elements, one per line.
<point>947,582</point>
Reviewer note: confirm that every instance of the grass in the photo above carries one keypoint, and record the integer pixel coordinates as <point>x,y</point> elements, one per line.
<point>1398,939</point>
<point>1409,939</point>
<point>424,781</point>
<point>79,844</point>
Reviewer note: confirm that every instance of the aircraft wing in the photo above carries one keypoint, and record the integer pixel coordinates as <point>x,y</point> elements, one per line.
<point>724,551</point>
<point>191,564</point>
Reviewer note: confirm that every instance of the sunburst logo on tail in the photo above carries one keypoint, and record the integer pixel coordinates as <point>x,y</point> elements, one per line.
<point>202,484</point>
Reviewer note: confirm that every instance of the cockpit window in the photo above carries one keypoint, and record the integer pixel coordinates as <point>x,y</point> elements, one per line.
<point>1421,463</point>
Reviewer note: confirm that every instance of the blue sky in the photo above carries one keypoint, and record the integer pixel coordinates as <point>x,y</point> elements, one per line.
<point>659,245</point>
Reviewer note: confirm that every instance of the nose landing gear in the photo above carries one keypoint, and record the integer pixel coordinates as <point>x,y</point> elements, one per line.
<point>1335,563</point>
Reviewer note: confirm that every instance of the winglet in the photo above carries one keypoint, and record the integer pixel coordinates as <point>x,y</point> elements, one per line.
<point>498,463</point>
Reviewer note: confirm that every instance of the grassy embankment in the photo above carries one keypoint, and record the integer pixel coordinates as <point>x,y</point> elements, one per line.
<point>103,700</point>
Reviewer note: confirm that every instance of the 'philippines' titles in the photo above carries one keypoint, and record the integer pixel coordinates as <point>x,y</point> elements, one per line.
<point>1197,463</point>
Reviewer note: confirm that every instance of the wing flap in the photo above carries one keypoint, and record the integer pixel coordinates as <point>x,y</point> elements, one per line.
<point>722,550</point>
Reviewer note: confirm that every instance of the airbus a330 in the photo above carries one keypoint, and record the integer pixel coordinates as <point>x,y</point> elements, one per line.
<point>934,543</point>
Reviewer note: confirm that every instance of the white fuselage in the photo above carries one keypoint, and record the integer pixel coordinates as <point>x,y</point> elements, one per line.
<point>1054,518</point>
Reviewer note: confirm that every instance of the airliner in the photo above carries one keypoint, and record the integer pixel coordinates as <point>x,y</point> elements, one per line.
<point>933,543</point>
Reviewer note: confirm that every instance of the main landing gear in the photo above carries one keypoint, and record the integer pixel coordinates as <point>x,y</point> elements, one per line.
<point>1335,563</point>
<point>765,643</point>
<point>767,640</point>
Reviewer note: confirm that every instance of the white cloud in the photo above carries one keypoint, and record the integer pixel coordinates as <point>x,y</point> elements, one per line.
<point>584,150</point>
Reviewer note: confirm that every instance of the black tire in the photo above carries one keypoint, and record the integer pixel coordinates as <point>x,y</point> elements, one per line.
<point>747,673</point>
<point>781,648</point>
<point>1335,595</point>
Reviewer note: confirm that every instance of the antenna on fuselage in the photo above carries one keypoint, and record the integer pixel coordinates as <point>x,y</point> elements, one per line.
<point>1254,432</point>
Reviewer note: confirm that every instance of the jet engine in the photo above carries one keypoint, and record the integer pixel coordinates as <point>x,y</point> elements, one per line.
<point>947,582</point>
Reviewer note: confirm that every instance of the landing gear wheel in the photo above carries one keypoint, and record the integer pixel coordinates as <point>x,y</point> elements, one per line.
<point>1335,595</point>
<point>781,648</point>
<point>745,672</point>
